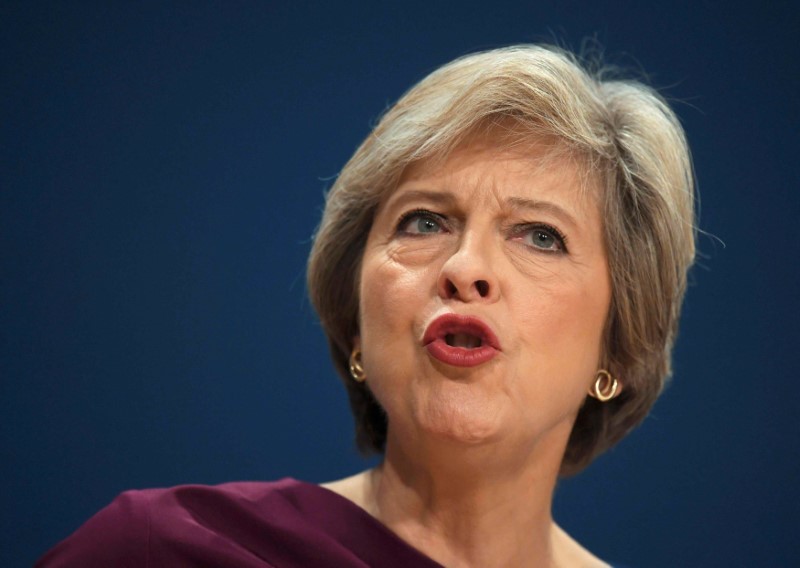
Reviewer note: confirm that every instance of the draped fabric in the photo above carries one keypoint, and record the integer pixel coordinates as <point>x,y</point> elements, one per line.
<point>282,524</point>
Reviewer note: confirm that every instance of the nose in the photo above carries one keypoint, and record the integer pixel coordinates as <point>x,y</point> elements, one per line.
<point>468,273</point>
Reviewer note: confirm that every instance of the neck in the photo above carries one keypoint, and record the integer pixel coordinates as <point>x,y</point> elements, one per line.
<point>470,506</point>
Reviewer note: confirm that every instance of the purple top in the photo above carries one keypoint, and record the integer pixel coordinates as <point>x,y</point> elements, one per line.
<point>281,524</point>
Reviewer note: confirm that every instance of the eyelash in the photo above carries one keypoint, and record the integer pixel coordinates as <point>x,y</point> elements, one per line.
<point>521,229</point>
<point>406,217</point>
<point>560,237</point>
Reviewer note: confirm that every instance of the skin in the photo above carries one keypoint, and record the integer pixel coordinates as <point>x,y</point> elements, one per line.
<point>473,453</point>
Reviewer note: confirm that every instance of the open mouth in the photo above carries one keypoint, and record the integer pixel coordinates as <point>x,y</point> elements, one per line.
<point>461,341</point>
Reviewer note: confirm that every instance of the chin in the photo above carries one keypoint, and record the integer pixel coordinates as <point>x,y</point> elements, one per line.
<point>465,422</point>
<point>467,435</point>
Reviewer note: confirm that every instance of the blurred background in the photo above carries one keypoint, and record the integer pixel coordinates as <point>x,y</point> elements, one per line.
<point>163,168</point>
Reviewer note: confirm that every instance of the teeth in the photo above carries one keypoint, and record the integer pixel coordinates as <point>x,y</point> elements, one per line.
<point>464,340</point>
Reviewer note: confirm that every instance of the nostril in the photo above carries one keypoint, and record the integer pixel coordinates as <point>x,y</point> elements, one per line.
<point>451,289</point>
<point>483,288</point>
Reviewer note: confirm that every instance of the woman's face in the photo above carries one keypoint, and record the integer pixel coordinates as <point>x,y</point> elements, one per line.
<point>483,296</point>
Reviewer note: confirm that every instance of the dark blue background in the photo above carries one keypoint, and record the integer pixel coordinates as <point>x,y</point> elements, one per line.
<point>163,169</point>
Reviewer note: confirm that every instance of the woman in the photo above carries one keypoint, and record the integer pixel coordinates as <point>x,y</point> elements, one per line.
<point>499,271</point>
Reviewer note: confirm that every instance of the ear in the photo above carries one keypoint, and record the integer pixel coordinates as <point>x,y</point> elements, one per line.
<point>357,342</point>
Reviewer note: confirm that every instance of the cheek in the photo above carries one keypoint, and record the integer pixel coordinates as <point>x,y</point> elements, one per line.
<point>561,329</point>
<point>389,298</point>
<point>390,295</point>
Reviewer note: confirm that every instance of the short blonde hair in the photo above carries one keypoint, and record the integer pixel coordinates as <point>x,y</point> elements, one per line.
<point>626,135</point>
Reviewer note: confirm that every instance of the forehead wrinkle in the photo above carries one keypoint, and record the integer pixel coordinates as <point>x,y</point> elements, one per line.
<point>488,188</point>
<point>482,188</point>
<point>475,173</point>
<point>450,186</point>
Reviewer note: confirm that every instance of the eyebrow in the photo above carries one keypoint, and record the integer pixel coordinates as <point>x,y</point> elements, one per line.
<point>436,197</point>
<point>446,198</point>
<point>546,206</point>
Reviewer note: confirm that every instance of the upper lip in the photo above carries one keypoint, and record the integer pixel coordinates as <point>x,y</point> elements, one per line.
<point>456,323</point>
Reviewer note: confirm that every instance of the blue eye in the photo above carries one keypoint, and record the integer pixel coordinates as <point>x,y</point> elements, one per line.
<point>544,238</point>
<point>420,223</point>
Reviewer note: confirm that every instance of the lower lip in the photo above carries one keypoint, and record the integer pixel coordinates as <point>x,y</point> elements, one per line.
<point>460,356</point>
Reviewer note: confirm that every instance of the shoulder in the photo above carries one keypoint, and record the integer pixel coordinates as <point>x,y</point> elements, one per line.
<point>116,535</point>
<point>243,524</point>
<point>569,552</point>
<point>168,523</point>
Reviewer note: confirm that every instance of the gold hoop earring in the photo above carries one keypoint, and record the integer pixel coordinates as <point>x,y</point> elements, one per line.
<point>605,386</point>
<point>356,369</point>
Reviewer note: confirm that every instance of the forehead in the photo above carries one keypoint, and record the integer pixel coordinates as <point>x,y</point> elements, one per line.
<point>482,168</point>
